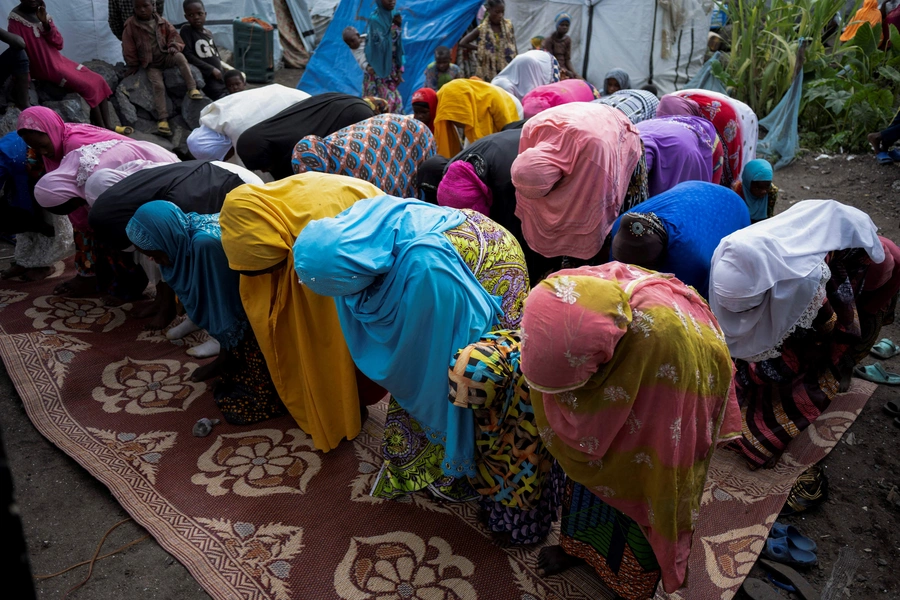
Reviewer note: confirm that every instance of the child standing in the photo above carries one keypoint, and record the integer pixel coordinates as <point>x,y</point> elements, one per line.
<point>441,70</point>
<point>559,44</point>
<point>200,49</point>
<point>151,42</point>
<point>357,44</point>
<point>384,53</point>
<point>43,42</point>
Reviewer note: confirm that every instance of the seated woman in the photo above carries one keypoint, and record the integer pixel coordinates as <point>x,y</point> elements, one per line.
<point>579,166</point>
<point>516,477</point>
<point>43,44</point>
<point>194,186</point>
<point>385,150</point>
<point>611,358</point>
<point>801,298</point>
<point>679,149</point>
<point>678,231</point>
<point>188,250</point>
<point>637,105</point>
<point>297,330</point>
<point>554,94</point>
<point>735,122</point>
<point>224,121</point>
<point>526,72</point>
<point>267,146</point>
<point>470,109</point>
<point>756,188</point>
<point>72,153</point>
<point>42,238</point>
<point>437,261</point>
<point>424,103</point>
<point>616,80</point>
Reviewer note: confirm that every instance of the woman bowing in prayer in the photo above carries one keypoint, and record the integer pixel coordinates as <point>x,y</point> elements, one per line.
<point>494,41</point>
<point>297,329</point>
<point>436,261</point>
<point>756,188</point>
<point>554,94</point>
<point>385,150</point>
<point>678,231</point>
<point>384,52</point>
<point>631,385</point>
<point>637,105</point>
<point>801,298</point>
<point>526,72</point>
<point>579,166</point>
<point>470,109</point>
<point>268,145</point>
<point>679,149</point>
<point>188,250</point>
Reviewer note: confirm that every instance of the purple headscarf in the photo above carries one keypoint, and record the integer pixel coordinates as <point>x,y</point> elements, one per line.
<point>677,149</point>
<point>671,105</point>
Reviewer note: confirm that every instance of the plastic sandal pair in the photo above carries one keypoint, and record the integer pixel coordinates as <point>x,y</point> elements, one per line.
<point>888,158</point>
<point>788,546</point>
<point>885,349</point>
<point>877,374</point>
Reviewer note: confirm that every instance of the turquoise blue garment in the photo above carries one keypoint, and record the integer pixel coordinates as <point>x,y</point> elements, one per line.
<point>407,303</point>
<point>198,271</point>
<point>13,160</point>
<point>756,170</point>
<point>696,215</point>
<point>379,43</point>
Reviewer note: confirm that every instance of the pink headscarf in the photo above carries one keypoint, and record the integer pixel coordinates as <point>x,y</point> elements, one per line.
<point>462,188</point>
<point>571,176</point>
<point>65,137</point>
<point>671,105</point>
<point>562,92</point>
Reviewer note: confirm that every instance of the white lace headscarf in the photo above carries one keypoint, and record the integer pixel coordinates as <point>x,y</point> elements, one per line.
<point>769,279</point>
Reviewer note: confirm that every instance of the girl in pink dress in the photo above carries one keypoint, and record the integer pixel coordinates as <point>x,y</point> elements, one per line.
<point>43,44</point>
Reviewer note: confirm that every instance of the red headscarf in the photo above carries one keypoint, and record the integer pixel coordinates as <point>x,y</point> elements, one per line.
<point>427,96</point>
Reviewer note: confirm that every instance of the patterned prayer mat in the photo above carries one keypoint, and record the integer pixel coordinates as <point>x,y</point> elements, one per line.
<point>255,513</point>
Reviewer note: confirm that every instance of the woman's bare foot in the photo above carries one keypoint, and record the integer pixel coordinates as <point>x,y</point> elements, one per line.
<point>77,287</point>
<point>875,141</point>
<point>208,371</point>
<point>553,560</point>
<point>36,273</point>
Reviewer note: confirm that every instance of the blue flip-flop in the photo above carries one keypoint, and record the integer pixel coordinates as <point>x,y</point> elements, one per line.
<point>781,551</point>
<point>884,158</point>
<point>894,154</point>
<point>793,536</point>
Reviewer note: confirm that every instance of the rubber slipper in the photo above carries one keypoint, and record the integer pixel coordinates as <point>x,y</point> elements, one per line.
<point>786,573</point>
<point>784,586</point>
<point>793,535</point>
<point>124,129</point>
<point>757,589</point>
<point>892,407</point>
<point>781,551</point>
<point>884,158</point>
<point>877,374</point>
<point>894,154</point>
<point>885,349</point>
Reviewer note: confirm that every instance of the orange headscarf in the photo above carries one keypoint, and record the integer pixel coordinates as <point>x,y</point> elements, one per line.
<point>869,13</point>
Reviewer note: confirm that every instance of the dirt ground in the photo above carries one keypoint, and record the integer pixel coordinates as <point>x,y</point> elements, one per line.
<point>66,512</point>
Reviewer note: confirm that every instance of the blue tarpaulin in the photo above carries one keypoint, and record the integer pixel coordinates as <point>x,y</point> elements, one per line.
<point>427,24</point>
<point>782,139</point>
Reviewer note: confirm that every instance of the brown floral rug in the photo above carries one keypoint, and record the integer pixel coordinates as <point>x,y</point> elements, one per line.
<point>255,513</point>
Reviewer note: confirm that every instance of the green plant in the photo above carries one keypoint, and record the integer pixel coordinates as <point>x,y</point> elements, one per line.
<point>766,35</point>
<point>853,93</point>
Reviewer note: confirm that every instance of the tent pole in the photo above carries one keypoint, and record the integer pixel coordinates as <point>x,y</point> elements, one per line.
<point>587,50</point>
<point>653,39</point>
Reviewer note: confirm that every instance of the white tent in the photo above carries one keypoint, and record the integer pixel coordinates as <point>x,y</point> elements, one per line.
<point>662,41</point>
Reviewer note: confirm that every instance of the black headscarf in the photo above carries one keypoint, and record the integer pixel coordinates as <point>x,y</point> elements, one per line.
<point>642,240</point>
<point>267,146</point>
<point>196,186</point>
<point>428,177</point>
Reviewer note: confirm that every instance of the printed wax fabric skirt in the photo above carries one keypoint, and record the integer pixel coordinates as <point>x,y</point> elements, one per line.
<point>411,462</point>
<point>116,272</point>
<point>385,88</point>
<point>610,542</point>
<point>245,392</point>
<point>385,150</point>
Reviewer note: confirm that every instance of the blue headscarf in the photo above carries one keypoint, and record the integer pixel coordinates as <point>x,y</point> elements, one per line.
<point>379,45</point>
<point>198,271</point>
<point>407,302</point>
<point>756,170</point>
<point>13,166</point>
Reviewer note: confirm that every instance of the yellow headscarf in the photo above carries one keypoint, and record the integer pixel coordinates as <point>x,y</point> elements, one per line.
<point>298,331</point>
<point>481,107</point>
<point>869,13</point>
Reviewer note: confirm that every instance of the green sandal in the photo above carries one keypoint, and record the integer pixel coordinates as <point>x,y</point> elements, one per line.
<point>885,349</point>
<point>877,374</point>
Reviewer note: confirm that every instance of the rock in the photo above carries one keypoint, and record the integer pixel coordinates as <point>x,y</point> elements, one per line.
<point>175,86</point>
<point>9,121</point>
<point>106,71</point>
<point>73,109</point>
<point>164,143</point>
<point>139,91</point>
<point>124,108</point>
<point>180,133</point>
<point>33,99</point>
<point>190,110</point>
<point>49,91</point>
<point>145,125</point>
<point>896,185</point>
<point>121,69</point>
